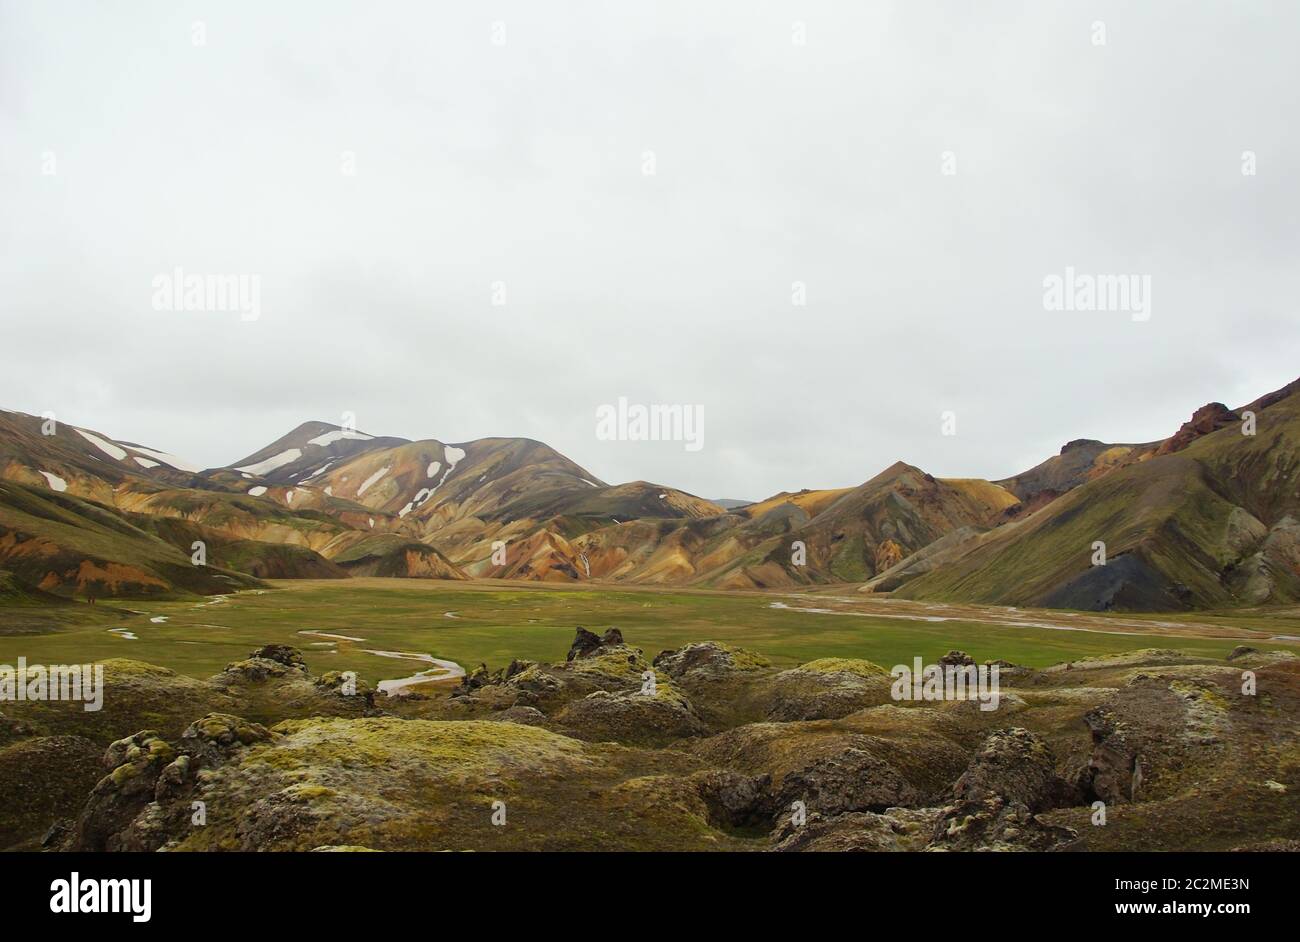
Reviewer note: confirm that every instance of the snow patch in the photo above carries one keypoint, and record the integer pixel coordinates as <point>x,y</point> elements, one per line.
<point>330,438</point>
<point>145,462</point>
<point>288,498</point>
<point>178,463</point>
<point>111,450</point>
<point>55,482</point>
<point>275,461</point>
<point>373,478</point>
<point>256,491</point>
<point>372,523</point>
<point>453,455</point>
<point>585,481</point>
<point>421,496</point>
<point>329,492</point>
<point>432,469</point>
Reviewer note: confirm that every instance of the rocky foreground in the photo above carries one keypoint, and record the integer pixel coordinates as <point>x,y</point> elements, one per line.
<point>704,748</point>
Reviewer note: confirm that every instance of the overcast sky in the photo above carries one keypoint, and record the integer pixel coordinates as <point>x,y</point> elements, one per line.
<point>523,162</point>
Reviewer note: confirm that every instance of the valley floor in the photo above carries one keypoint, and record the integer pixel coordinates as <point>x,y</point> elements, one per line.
<point>689,720</point>
<point>340,625</point>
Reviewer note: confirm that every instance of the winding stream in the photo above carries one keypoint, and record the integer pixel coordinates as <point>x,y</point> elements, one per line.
<point>439,670</point>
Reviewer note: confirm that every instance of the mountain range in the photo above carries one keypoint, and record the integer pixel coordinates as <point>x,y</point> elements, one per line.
<point>1208,517</point>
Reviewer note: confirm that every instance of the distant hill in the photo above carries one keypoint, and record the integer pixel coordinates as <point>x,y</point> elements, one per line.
<point>727,503</point>
<point>1208,517</point>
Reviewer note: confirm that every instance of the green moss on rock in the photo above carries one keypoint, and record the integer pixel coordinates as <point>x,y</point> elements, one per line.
<point>844,665</point>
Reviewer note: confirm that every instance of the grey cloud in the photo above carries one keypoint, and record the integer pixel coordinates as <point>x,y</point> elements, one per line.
<point>775,163</point>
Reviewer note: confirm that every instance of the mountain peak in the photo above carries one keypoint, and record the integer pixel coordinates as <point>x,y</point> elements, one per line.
<point>1081,443</point>
<point>897,469</point>
<point>1208,418</point>
<point>307,450</point>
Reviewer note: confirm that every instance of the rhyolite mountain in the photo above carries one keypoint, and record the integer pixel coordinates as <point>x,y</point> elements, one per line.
<point>1208,517</point>
<point>308,450</point>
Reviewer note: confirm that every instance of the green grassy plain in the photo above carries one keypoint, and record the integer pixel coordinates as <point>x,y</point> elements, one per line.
<point>497,622</point>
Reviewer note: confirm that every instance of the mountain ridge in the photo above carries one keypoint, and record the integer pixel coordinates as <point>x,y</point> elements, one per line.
<point>1207,516</point>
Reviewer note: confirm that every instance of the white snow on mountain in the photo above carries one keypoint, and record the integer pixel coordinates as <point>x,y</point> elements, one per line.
<point>422,495</point>
<point>179,464</point>
<point>275,461</point>
<point>56,483</point>
<point>111,450</point>
<point>372,479</point>
<point>144,462</point>
<point>256,491</point>
<point>338,434</point>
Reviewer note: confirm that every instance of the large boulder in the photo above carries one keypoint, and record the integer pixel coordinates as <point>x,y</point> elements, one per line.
<point>272,683</point>
<point>735,800</point>
<point>1014,764</point>
<point>957,659</point>
<point>898,829</point>
<point>637,716</point>
<point>828,688</point>
<point>135,764</point>
<point>996,824</point>
<point>705,661</point>
<point>851,780</point>
<point>587,644</point>
<point>144,799</point>
<point>273,660</point>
